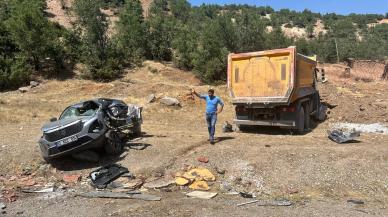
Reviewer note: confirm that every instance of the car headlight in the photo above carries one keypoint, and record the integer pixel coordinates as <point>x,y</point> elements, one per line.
<point>114,111</point>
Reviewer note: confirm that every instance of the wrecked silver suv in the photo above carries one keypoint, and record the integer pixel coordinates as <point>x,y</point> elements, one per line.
<point>99,123</point>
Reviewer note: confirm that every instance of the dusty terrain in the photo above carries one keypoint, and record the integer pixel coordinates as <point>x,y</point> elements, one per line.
<point>314,173</point>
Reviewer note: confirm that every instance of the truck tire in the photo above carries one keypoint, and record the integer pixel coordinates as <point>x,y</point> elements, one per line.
<point>300,121</point>
<point>114,144</point>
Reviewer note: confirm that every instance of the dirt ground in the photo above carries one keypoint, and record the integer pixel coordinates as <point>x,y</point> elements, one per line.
<point>317,175</point>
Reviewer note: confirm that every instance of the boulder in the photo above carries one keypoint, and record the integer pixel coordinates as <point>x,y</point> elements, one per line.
<point>34,84</point>
<point>23,89</point>
<point>170,101</point>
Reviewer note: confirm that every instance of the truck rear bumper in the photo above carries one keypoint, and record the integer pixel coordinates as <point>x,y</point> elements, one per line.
<point>279,123</point>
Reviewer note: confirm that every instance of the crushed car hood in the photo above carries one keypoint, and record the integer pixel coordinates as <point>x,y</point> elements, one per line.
<point>62,122</point>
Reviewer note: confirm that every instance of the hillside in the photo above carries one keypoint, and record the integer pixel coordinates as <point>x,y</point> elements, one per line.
<point>309,170</point>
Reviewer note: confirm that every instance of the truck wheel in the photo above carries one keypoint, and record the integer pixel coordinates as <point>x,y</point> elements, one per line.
<point>114,144</point>
<point>300,121</point>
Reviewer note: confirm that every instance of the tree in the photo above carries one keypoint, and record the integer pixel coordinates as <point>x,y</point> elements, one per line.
<point>33,34</point>
<point>131,32</point>
<point>160,31</point>
<point>98,53</point>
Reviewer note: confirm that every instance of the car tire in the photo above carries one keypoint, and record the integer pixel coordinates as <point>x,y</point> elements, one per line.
<point>114,144</point>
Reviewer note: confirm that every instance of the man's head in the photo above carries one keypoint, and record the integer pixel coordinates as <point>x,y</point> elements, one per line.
<point>210,92</point>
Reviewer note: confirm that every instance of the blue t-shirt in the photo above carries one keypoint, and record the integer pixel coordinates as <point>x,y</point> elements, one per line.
<point>212,103</point>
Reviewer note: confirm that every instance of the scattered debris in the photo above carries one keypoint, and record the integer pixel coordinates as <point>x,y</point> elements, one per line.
<point>181,181</point>
<point>23,89</point>
<point>28,182</point>
<point>199,185</point>
<point>105,175</point>
<point>134,184</point>
<point>268,203</point>
<point>87,155</point>
<point>358,202</point>
<point>199,174</point>
<point>151,98</point>
<point>160,183</point>
<point>364,128</point>
<point>118,195</point>
<point>170,101</point>
<point>339,136</point>
<point>227,128</point>
<point>34,84</point>
<point>72,178</point>
<point>202,194</point>
<point>203,159</point>
<point>45,190</point>
<point>246,195</point>
<point>267,146</point>
<point>9,195</point>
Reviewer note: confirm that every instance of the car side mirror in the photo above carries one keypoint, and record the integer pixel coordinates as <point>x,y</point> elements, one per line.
<point>53,119</point>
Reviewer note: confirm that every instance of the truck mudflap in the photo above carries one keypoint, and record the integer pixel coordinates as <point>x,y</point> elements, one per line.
<point>278,123</point>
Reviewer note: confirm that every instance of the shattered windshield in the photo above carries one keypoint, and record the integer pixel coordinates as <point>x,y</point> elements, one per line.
<point>78,112</point>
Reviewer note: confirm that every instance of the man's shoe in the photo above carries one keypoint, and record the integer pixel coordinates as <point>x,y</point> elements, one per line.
<point>212,141</point>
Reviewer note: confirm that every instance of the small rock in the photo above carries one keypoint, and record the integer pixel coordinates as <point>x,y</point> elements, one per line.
<point>220,171</point>
<point>2,206</point>
<point>19,212</point>
<point>87,155</point>
<point>23,89</point>
<point>292,191</point>
<point>267,146</point>
<point>151,98</point>
<point>203,159</point>
<point>170,101</point>
<point>72,178</point>
<point>34,84</point>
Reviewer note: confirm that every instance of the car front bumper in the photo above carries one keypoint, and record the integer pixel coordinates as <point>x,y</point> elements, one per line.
<point>51,150</point>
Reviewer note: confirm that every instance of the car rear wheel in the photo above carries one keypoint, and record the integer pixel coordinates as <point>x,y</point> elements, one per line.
<point>114,144</point>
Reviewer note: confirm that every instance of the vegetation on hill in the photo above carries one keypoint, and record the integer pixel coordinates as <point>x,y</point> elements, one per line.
<point>194,38</point>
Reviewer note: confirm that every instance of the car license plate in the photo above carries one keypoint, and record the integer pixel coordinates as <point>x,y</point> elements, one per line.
<point>67,140</point>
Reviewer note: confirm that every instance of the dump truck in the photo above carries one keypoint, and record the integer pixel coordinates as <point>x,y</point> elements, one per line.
<point>274,88</point>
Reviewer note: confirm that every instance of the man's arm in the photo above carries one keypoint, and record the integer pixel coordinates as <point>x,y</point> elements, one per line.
<point>195,93</point>
<point>221,106</point>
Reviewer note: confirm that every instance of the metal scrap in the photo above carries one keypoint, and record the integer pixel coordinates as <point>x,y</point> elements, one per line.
<point>107,174</point>
<point>119,195</point>
<point>340,136</point>
<point>268,203</point>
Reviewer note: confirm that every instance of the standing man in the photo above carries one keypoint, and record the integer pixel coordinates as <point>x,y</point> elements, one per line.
<point>211,111</point>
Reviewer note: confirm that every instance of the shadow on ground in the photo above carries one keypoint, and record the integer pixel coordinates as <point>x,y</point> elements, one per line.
<point>270,130</point>
<point>69,163</point>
